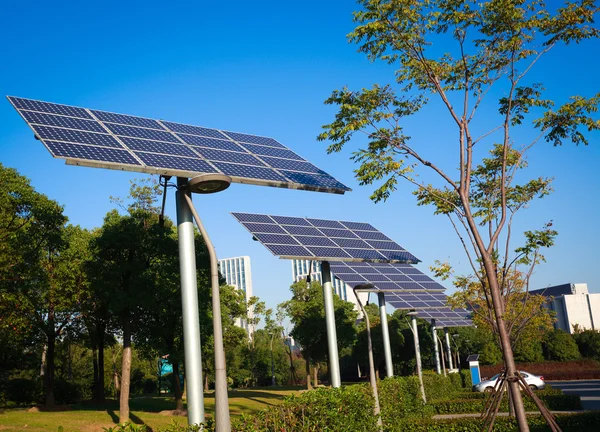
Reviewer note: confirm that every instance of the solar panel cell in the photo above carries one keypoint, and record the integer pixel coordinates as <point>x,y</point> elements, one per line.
<point>288,250</point>
<point>271,151</point>
<point>301,230</point>
<point>367,254</point>
<point>175,162</point>
<point>359,226</point>
<point>337,233</point>
<point>229,156</point>
<point>264,228</point>
<point>292,165</point>
<point>210,143</point>
<point>398,256</point>
<point>248,171</point>
<point>372,235</point>
<point>350,243</point>
<point>385,245</point>
<point>326,252</point>
<point>287,220</point>
<point>315,241</point>
<point>313,179</point>
<point>250,217</point>
<point>137,132</point>
<point>62,121</point>
<point>158,147</point>
<point>47,107</point>
<point>75,136</point>
<point>254,139</point>
<point>193,130</point>
<point>323,223</point>
<point>88,152</point>
<point>276,239</point>
<point>127,120</point>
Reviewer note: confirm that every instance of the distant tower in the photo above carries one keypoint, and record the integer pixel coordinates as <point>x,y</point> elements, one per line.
<point>238,273</point>
<point>301,269</point>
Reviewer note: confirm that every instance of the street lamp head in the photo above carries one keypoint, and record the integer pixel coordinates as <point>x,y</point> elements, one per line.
<point>455,335</point>
<point>412,313</point>
<point>209,183</point>
<point>364,287</point>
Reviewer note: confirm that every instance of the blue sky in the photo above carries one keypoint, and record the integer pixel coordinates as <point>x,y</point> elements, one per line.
<point>265,68</point>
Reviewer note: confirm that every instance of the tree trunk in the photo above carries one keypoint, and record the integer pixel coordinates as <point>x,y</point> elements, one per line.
<point>177,387</point>
<point>49,370</point>
<point>125,371</point>
<point>99,396</point>
<point>95,364</point>
<point>205,381</point>
<point>316,375</point>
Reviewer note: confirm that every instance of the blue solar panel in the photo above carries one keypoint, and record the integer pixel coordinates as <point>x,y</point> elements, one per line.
<point>323,243</point>
<point>271,151</point>
<point>248,171</point>
<point>264,228</point>
<point>88,152</point>
<point>75,136</point>
<point>157,147</point>
<point>127,120</point>
<point>383,276</point>
<point>446,317</point>
<point>359,226</point>
<point>276,239</point>
<point>229,156</point>
<point>254,139</point>
<point>175,162</point>
<point>289,251</point>
<point>62,121</point>
<point>137,132</point>
<point>172,148</point>
<point>416,300</point>
<point>212,143</point>
<point>52,108</point>
<point>194,130</point>
<point>372,235</point>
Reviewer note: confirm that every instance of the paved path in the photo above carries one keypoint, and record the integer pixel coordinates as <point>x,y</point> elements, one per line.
<point>588,391</point>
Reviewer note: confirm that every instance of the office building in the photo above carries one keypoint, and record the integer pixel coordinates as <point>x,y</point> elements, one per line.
<point>238,273</point>
<point>573,304</point>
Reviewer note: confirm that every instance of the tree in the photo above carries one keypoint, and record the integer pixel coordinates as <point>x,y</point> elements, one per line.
<point>561,346</point>
<point>307,314</point>
<point>588,342</point>
<point>126,254</point>
<point>485,45</point>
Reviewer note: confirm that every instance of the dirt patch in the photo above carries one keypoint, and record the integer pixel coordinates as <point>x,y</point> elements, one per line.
<point>182,413</point>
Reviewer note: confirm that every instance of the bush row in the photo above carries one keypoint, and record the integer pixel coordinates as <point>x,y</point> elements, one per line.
<point>578,369</point>
<point>555,402</point>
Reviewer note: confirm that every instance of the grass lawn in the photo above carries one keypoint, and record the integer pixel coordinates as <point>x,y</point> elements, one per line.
<point>93,418</point>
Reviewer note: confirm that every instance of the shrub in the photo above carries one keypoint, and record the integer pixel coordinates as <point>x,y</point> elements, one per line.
<point>490,354</point>
<point>66,392</point>
<point>399,398</point>
<point>345,408</point>
<point>561,346</point>
<point>574,369</point>
<point>23,391</point>
<point>554,402</point>
<point>588,342</point>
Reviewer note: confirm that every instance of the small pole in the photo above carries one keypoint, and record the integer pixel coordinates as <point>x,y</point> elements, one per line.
<point>372,378</point>
<point>334,360</point>
<point>448,348</point>
<point>385,333</point>
<point>441,354</point>
<point>272,363</point>
<point>436,353</point>
<point>415,331</point>
<point>189,302</point>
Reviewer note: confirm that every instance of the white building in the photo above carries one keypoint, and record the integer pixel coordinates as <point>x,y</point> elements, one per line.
<point>573,304</point>
<point>238,273</point>
<point>301,269</point>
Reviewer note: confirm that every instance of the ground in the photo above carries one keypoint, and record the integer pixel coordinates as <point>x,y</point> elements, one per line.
<point>93,418</point>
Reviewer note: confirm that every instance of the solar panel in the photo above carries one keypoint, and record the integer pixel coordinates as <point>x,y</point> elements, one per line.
<point>416,300</point>
<point>444,313</point>
<point>122,142</point>
<point>324,240</point>
<point>384,277</point>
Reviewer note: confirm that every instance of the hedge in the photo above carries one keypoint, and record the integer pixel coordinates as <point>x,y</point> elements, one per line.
<point>553,401</point>
<point>553,370</point>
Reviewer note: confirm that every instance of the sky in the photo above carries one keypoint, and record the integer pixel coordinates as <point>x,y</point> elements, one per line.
<point>265,68</point>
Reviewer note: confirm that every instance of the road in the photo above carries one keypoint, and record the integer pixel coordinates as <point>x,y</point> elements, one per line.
<point>588,390</point>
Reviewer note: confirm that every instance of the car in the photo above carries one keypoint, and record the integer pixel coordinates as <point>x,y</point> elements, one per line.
<point>535,382</point>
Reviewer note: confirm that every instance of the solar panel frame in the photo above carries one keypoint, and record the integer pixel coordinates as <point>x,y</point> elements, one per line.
<point>67,124</point>
<point>305,228</point>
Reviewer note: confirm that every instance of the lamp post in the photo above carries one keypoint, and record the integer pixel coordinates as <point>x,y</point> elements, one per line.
<point>455,336</point>
<point>415,332</point>
<point>202,184</point>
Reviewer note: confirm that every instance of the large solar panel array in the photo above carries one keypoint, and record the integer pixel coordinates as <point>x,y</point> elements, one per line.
<point>416,300</point>
<point>324,240</point>
<point>107,140</point>
<point>384,276</point>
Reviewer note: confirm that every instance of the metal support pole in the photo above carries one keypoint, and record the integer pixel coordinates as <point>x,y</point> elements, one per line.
<point>415,331</point>
<point>189,303</point>
<point>334,360</point>
<point>436,353</point>
<point>441,354</point>
<point>222,420</point>
<point>448,348</point>
<point>385,333</point>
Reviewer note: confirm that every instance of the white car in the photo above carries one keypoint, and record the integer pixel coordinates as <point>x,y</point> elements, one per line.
<point>534,382</point>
